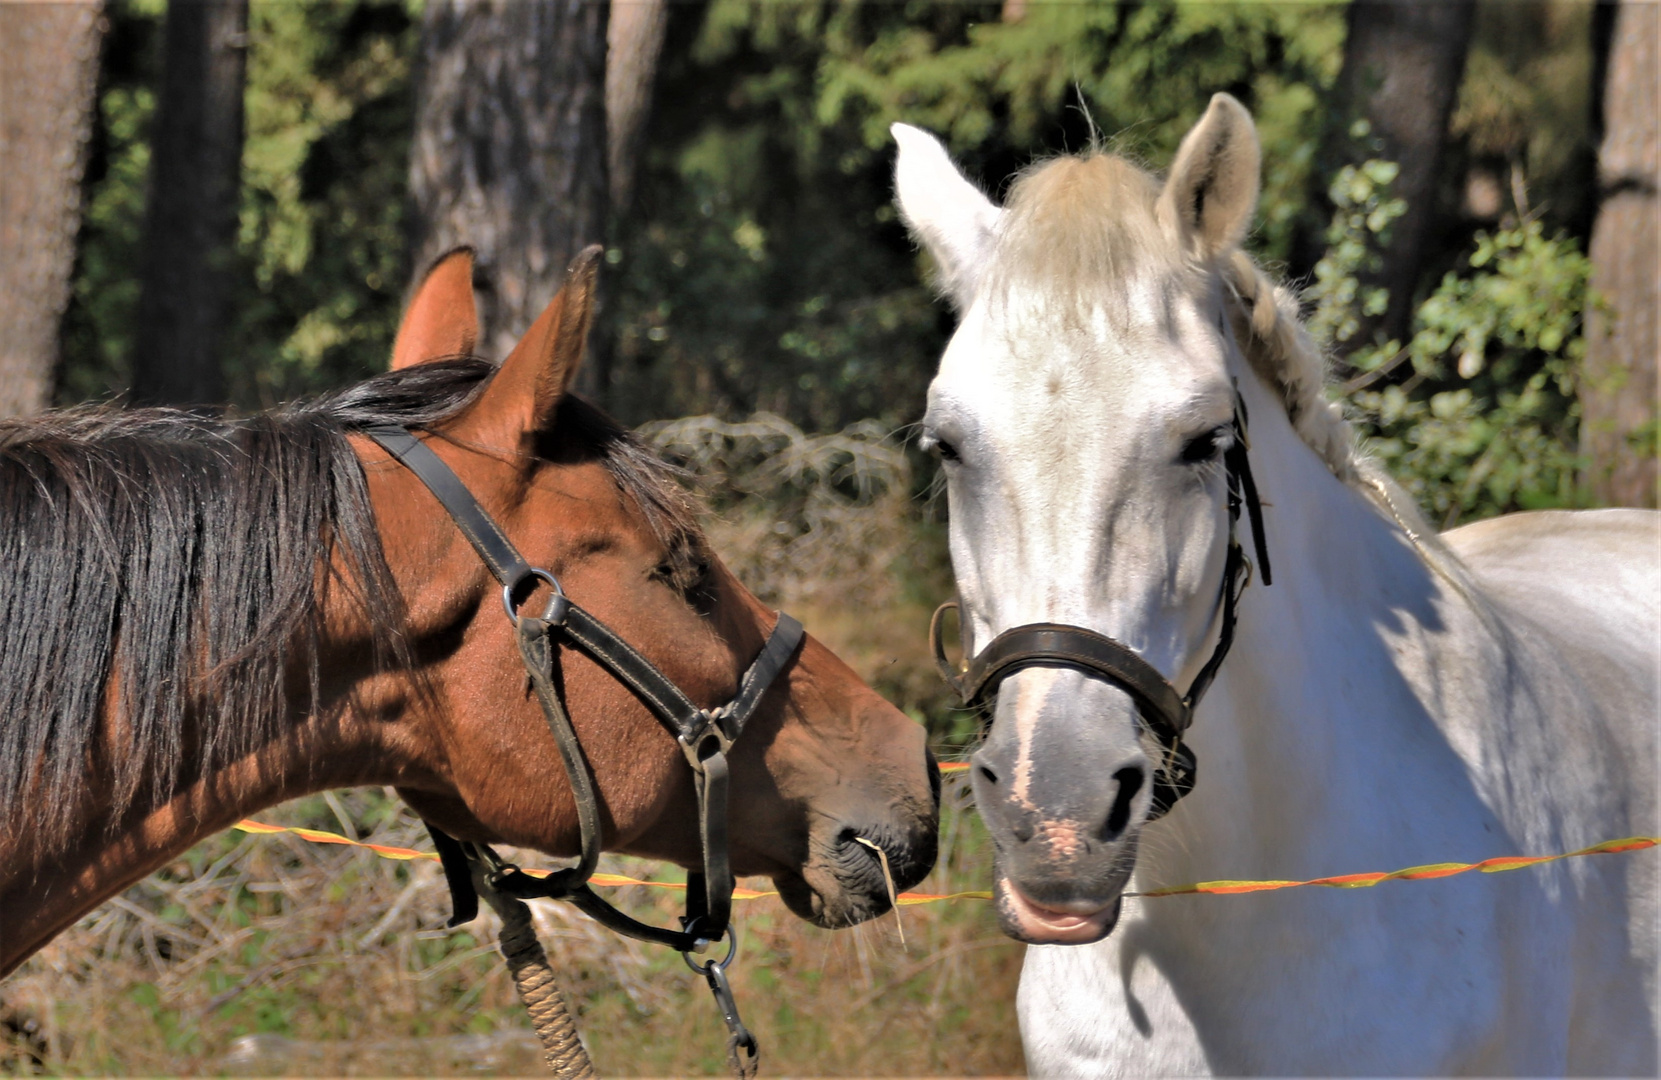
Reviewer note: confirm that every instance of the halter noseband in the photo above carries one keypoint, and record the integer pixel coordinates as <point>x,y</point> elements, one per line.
<point>704,736</point>
<point>1166,713</point>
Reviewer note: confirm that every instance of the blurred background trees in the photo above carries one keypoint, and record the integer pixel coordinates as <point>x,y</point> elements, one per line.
<point>47,77</point>
<point>741,185</point>
<point>509,155</point>
<point>187,264</point>
<point>1618,430</point>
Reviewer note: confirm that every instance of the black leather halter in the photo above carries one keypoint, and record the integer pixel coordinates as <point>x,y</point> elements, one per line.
<point>1165,713</point>
<point>704,735</point>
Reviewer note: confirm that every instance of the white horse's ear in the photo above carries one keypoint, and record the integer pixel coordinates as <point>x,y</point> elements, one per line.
<point>946,213</point>
<point>1212,191</point>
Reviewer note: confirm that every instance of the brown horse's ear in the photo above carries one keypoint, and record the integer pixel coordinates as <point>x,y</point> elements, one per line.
<point>525,393</point>
<point>441,321</point>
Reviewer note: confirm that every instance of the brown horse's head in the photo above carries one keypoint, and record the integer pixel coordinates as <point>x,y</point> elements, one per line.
<point>825,759</point>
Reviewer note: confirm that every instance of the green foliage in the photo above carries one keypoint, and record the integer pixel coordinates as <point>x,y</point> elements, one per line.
<point>97,329</point>
<point>1525,112</point>
<point>321,252</point>
<point>1363,211</point>
<point>1486,419</point>
<point>764,267</point>
<point>1498,431</point>
<point>325,166</point>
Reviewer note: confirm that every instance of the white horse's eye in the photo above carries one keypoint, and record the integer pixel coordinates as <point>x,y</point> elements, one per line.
<point>1204,447</point>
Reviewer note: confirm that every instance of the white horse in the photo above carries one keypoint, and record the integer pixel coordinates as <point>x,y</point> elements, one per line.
<point>1395,698</point>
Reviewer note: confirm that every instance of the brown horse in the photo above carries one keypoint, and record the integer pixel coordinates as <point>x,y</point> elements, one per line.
<point>200,618</point>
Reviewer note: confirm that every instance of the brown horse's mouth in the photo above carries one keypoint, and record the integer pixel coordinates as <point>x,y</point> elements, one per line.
<point>844,882</point>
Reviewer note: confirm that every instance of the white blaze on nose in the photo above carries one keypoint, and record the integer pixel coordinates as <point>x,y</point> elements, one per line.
<point>1031,688</point>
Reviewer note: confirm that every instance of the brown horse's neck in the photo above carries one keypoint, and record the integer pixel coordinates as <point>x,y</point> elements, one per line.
<point>43,894</point>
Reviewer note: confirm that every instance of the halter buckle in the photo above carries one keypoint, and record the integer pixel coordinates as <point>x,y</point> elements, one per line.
<point>695,744</point>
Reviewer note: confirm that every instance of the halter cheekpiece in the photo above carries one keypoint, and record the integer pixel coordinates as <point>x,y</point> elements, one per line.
<point>704,736</point>
<point>1163,711</point>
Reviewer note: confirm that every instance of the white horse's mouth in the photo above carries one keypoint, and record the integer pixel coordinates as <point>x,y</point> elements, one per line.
<point>1027,920</point>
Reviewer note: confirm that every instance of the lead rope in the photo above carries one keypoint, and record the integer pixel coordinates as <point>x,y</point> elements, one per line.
<point>538,986</point>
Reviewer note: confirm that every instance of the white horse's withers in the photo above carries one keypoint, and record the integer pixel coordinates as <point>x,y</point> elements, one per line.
<point>1394,698</point>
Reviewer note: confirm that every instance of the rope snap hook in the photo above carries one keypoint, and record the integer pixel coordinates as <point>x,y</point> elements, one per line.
<point>743,1051</point>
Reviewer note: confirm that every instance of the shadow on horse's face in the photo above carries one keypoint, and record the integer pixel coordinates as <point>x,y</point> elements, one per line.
<point>823,761</point>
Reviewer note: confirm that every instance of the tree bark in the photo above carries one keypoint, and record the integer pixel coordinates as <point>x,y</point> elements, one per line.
<point>634,41</point>
<point>1618,385</point>
<point>48,91</point>
<point>191,220</point>
<point>509,155</point>
<point>1403,61</point>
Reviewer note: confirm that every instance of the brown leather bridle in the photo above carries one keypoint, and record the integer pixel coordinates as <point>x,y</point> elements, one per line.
<point>1163,711</point>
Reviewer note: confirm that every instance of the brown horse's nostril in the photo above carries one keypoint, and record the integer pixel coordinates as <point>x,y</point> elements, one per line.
<point>1129,780</point>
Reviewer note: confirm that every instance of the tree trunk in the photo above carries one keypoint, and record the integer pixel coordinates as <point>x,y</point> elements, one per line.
<point>510,151</point>
<point>191,220</point>
<point>1618,387</point>
<point>634,41</point>
<point>48,91</point>
<point>1403,60</point>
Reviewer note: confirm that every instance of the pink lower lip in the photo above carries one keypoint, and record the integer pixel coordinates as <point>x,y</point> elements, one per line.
<point>1052,926</point>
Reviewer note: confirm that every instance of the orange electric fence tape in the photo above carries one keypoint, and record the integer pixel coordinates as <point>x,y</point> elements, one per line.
<point>1219,888</point>
<point>318,836</point>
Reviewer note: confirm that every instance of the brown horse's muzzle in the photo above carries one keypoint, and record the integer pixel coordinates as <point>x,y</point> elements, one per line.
<point>887,796</point>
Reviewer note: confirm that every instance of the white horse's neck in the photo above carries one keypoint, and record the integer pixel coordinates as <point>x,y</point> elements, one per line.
<point>1298,737</point>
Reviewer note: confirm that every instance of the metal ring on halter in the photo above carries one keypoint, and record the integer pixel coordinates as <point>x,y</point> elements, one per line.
<point>557,604</point>
<point>703,968</point>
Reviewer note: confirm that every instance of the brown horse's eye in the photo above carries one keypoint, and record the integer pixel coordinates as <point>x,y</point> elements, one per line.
<point>690,575</point>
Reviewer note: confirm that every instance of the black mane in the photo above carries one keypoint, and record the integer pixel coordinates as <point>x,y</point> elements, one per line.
<point>177,555</point>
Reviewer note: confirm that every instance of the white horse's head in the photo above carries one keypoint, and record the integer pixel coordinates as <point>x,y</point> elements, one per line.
<point>1082,411</point>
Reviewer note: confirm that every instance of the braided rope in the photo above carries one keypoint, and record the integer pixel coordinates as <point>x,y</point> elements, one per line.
<point>538,988</point>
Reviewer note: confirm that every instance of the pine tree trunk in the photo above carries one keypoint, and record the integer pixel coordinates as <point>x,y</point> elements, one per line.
<point>48,91</point>
<point>510,151</point>
<point>1403,61</point>
<point>634,41</point>
<point>1618,387</point>
<point>191,222</point>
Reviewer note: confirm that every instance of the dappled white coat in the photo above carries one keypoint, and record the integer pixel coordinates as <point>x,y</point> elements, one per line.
<point>1393,699</point>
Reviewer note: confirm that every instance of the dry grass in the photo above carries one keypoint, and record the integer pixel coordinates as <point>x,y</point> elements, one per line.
<point>265,955</point>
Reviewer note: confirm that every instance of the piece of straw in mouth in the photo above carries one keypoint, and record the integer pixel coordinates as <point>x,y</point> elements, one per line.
<point>888,879</point>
